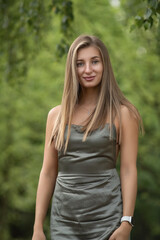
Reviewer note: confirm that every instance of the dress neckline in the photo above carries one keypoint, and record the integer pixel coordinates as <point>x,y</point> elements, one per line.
<point>78,127</point>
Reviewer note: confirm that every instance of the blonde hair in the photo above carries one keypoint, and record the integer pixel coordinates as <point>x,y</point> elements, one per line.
<point>110,96</point>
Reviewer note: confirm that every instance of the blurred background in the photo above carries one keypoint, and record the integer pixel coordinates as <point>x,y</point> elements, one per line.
<point>34,40</point>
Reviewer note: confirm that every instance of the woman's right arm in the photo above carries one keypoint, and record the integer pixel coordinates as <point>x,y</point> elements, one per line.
<point>47,179</point>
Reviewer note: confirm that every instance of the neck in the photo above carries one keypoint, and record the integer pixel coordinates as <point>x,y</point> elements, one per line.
<point>89,97</point>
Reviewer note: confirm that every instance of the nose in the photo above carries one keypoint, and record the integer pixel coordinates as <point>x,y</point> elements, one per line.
<point>88,68</point>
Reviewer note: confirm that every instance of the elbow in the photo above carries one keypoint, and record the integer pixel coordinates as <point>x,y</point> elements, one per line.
<point>128,171</point>
<point>50,173</point>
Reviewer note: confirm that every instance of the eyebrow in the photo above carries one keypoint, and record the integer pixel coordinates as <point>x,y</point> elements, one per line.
<point>91,58</point>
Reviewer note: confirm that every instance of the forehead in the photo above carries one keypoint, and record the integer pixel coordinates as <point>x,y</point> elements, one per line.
<point>88,52</point>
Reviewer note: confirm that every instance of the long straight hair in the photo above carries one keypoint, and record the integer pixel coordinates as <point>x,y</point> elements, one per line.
<point>109,102</point>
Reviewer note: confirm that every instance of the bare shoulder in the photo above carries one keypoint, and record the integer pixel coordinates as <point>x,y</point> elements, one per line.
<point>128,117</point>
<point>53,113</point>
<point>125,112</point>
<point>52,116</point>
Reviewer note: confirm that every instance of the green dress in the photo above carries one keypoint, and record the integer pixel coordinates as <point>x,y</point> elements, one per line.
<point>87,202</point>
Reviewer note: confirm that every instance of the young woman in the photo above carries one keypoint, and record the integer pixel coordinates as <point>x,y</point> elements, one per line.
<point>84,136</point>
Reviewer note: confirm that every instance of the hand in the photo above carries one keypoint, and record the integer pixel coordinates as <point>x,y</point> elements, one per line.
<point>121,233</point>
<point>38,235</point>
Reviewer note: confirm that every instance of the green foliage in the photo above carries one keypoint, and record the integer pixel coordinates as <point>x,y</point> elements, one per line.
<point>64,8</point>
<point>22,25</point>
<point>150,16</point>
<point>29,57</point>
<point>146,13</point>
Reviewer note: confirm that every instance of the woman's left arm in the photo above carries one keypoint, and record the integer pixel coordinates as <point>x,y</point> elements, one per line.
<point>128,171</point>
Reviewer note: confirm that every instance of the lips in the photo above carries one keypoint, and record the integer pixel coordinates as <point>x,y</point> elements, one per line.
<point>89,78</point>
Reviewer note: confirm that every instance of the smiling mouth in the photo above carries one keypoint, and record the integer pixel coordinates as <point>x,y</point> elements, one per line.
<point>89,78</point>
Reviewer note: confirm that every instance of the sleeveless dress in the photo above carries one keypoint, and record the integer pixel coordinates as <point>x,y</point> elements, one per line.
<point>87,202</point>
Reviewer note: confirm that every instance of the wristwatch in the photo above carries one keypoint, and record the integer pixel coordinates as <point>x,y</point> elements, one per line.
<point>128,219</point>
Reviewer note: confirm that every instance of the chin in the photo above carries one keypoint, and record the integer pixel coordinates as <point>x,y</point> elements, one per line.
<point>90,85</point>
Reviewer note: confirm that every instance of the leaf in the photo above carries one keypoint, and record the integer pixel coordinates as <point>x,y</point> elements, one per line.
<point>158,8</point>
<point>139,21</point>
<point>148,13</point>
<point>138,17</point>
<point>153,3</point>
<point>147,25</point>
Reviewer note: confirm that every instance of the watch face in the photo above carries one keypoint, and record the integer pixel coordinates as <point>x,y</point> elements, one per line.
<point>128,219</point>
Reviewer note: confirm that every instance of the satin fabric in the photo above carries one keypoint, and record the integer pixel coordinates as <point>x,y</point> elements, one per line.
<point>87,202</point>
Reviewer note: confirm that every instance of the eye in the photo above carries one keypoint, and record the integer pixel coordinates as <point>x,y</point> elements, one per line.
<point>95,61</point>
<point>80,64</point>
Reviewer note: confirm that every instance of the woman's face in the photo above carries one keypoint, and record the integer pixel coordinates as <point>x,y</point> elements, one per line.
<point>89,67</point>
